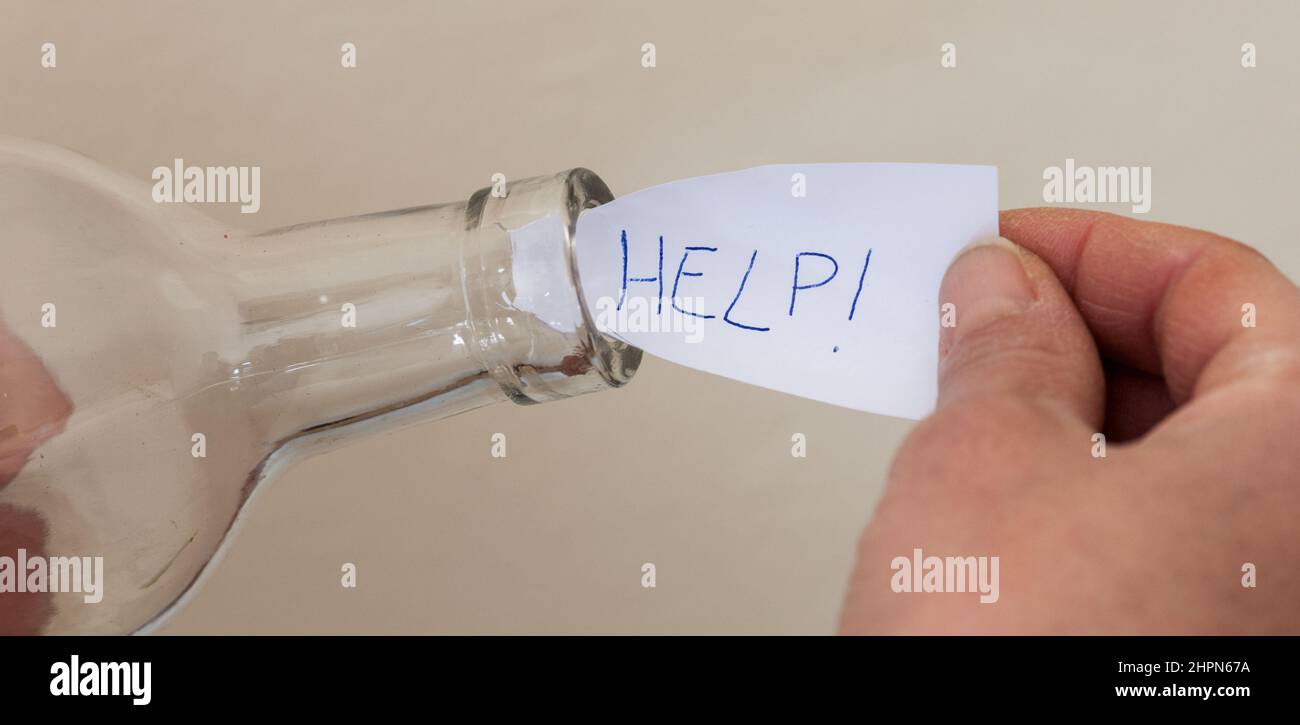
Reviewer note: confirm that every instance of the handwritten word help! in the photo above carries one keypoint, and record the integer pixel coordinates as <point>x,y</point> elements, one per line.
<point>819,280</point>
<point>796,286</point>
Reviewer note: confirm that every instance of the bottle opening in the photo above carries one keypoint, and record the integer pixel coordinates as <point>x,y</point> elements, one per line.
<point>530,325</point>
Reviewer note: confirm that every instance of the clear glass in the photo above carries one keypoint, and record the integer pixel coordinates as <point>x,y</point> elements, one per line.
<point>155,369</point>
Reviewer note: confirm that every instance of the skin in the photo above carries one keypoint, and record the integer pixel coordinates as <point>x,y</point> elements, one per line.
<point>1093,323</point>
<point>32,410</point>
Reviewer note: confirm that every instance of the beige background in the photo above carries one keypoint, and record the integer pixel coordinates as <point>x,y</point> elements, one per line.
<point>685,470</point>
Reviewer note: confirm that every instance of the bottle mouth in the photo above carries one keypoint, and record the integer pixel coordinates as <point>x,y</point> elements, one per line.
<point>617,360</point>
<point>531,326</point>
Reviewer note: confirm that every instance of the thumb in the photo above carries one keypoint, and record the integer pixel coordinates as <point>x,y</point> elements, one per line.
<point>1015,333</point>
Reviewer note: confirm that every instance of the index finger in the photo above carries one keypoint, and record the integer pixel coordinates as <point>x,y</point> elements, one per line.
<point>1165,299</point>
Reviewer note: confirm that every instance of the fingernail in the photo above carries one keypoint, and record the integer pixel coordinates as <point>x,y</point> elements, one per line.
<point>986,281</point>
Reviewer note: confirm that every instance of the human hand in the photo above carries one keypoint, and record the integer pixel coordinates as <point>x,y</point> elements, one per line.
<point>33,409</point>
<point>1102,324</point>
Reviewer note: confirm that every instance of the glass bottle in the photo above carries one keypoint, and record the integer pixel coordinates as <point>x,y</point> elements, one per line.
<point>155,369</point>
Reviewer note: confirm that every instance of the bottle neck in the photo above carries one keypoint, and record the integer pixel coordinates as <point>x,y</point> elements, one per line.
<point>347,319</point>
<point>422,313</point>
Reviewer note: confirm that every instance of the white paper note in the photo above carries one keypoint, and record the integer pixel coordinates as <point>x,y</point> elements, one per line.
<point>820,280</point>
